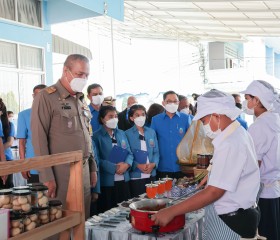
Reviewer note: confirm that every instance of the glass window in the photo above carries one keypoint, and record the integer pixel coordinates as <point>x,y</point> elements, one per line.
<point>8,54</point>
<point>7,9</point>
<point>29,12</point>
<point>31,58</point>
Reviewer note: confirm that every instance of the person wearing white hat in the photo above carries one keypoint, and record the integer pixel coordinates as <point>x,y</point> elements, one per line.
<point>234,179</point>
<point>262,101</point>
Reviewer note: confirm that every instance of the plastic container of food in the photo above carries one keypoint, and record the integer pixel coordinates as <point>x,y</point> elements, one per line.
<point>30,220</point>
<point>21,200</point>
<point>43,214</point>
<point>39,196</point>
<point>6,198</point>
<point>17,226</point>
<point>55,210</point>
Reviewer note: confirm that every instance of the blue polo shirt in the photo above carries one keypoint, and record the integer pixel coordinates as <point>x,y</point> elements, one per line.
<point>12,133</point>
<point>94,120</point>
<point>24,132</point>
<point>1,129</point>
<point>170,133</point>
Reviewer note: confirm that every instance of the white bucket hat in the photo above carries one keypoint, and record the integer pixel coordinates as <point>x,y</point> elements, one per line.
<point>218,102</point>
<point>264,91</point>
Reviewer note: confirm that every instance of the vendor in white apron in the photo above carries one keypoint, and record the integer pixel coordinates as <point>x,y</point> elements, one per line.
<point>234,178</point>
<point>262,102</point>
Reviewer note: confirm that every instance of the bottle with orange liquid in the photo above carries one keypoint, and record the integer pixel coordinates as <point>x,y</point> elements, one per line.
<point>161,188</point>
<point>168,185</point>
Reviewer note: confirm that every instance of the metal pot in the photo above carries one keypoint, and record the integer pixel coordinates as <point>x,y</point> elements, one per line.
<point>141,212</point>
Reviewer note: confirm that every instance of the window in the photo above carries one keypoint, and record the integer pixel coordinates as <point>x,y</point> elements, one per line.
<point>23,11</point>
<point>21,68</point>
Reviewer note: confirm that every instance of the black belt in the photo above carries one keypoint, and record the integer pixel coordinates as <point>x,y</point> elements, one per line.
<point>240,210</point>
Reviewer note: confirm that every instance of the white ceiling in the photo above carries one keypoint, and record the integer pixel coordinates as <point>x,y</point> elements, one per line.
<point>206,20</point>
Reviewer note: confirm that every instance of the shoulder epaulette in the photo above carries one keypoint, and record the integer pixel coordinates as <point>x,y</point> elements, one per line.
<point>50,90</point>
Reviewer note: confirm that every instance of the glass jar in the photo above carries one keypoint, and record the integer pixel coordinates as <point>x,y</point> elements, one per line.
<point>43,214</point>
<point>20,188</point>
<point>39,196</point>
<point>30,185</point>
<point>6,198</point>
<point>17,226</point>
<point>55,209</point>
<point>30,220</point>
<point>21,200</point>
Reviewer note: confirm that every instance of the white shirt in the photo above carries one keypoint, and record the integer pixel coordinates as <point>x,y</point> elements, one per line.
<point>265,132</point>
<point>234,169</point>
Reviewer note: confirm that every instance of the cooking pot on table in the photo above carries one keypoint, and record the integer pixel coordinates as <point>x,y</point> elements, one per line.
<point>141,212</point>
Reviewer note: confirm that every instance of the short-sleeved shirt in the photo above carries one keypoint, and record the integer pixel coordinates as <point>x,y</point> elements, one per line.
<point>12,133</point>
<point>170,132</point>
<point>234,169</point>
<point>265,132</point>
<point>24,132</point>
<point>94,120</point>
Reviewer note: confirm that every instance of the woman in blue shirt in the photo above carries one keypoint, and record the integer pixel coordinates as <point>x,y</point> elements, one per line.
<point>8,130</point>
<point>144,145</point>
<point>113,168</point>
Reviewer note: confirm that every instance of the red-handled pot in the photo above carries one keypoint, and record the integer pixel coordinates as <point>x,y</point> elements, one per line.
<point>141,212</point>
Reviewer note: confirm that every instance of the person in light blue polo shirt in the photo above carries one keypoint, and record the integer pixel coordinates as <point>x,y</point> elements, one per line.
<point>170,127</point>
<point>25,138</point>
<point>8,135</point>
<point>96,97</point>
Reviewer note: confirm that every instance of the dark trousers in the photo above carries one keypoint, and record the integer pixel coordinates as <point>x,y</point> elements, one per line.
<point>111,196</point>
<point>34,178</point>
<point>244,223</point>
<point>269,226</point>
<point>9,182</point>
<point>176,175</point>
<point>137,186</point>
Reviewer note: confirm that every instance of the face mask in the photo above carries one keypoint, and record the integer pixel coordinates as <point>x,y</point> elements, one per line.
<point>11,119</point>
<point>185,110</point>
<point>97,100</point>
<point>171,107</point>
<point>208,131</point>
<point>249,111</point>
<point>140,121</point>
<point>112,123</point>
<point>78,84</point>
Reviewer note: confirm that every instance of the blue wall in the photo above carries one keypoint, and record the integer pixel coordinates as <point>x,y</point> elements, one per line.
<point>277,65</point>
<point>16,32</point>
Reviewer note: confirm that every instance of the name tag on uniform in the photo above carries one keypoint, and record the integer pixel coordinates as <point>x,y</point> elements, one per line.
<point>66,106</point>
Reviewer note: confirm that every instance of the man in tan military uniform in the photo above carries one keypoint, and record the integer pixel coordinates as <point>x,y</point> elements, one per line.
<point>60,122</point>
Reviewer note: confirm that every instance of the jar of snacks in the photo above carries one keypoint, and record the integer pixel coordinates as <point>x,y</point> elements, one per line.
<point>39,196</point>
<point>17,226</point>
<point>30,185</point>
<point>43,214</point>
<point>6,198</point>
<point>55,209</point>
<point>30,220</point>
<point>20,188</point>
<point>21,200</point>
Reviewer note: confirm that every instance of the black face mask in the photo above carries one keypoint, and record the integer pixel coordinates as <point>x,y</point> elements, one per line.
<point>239,105</point>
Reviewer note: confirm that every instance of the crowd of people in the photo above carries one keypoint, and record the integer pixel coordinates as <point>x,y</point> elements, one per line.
<point>123,151</point>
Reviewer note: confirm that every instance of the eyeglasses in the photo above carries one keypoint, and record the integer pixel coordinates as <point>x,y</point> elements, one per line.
<point>169,102</point>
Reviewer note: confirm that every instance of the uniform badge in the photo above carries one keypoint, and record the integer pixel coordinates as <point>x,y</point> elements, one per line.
<point>181,131</point>
<point>123,144</point>
<point>152,143</point>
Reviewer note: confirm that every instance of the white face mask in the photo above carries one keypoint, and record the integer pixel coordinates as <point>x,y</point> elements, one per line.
<point>185,110</point>
<point>78,84</point>
<point>171,107</point>
<point>249,111</point>
<point>140,121</point>
<point>11,119</point>
<point>97,100</point>
<point>208,131</point>
<point>112,123</point>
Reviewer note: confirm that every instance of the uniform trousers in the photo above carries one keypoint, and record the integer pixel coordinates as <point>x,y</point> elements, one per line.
<point>138,187</point>
<point>111,196</point>
<point>176,175</point>
<point>269,226</point>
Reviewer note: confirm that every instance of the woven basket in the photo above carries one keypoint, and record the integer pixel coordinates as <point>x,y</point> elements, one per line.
<point>197,171</point>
